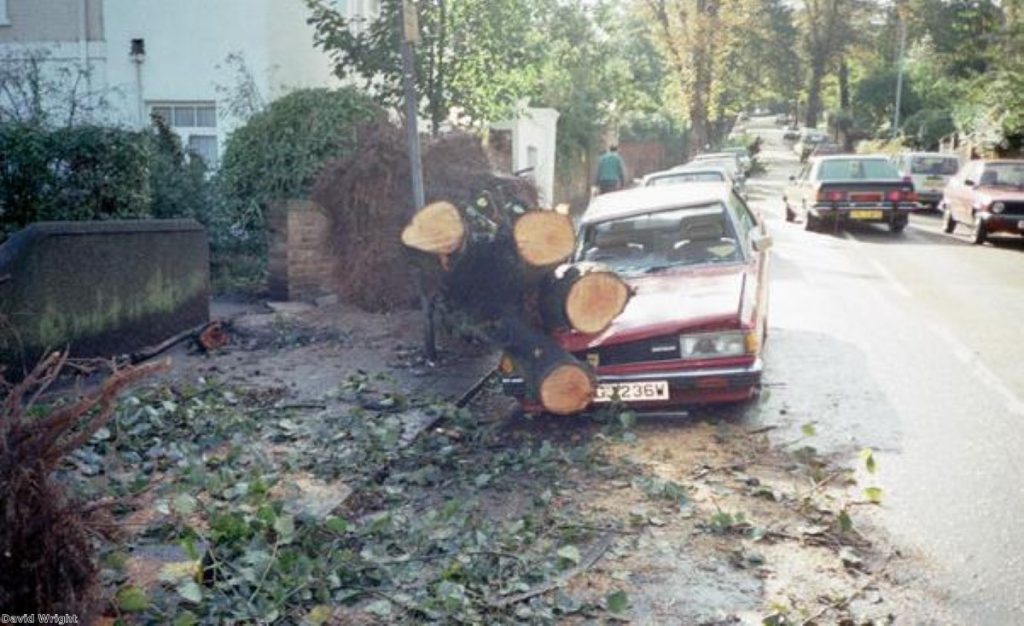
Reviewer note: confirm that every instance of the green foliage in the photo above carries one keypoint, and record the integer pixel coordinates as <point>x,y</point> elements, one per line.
<point>178,184</point>
<point>72,173</point>
<point>479,56</point>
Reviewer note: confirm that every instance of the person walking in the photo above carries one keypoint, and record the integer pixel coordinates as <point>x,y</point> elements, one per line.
<point>611,171</point>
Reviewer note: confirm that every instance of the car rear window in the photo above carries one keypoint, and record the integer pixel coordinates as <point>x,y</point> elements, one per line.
<point>652,242</point>
<point>686,177</point>
<point>856,169</point>
<point>936,166</point>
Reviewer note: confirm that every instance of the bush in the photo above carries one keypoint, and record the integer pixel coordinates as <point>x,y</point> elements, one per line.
<point>277,154</point>
<point>74,173</point>
<point>178,185</point>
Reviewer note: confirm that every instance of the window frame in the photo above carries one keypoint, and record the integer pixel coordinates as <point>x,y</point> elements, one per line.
<point>186,133</point>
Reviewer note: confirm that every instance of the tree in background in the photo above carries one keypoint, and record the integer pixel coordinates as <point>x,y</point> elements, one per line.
<point>476,58</point>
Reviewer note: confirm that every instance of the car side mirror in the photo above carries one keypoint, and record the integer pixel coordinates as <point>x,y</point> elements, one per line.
<point>968,183</point>
<point>761,243</point>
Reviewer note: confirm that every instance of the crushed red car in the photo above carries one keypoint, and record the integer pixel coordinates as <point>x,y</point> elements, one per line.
<point>697,258</point>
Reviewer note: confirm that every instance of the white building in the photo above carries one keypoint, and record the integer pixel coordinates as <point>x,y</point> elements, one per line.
<point>179,58</point>
<point>532,146</point>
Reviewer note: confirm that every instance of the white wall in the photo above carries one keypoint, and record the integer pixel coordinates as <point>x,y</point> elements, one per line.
<point>188,43</point>
<point>533,144</point>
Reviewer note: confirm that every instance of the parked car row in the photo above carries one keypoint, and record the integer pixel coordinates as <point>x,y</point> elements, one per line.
<point>986,195</point>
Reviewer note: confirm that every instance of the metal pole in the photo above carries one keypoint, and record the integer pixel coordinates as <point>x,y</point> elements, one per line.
<point>407,36</point>
<point>899,77</point>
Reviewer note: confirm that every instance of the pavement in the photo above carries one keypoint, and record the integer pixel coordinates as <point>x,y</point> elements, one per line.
<point>907,344</point>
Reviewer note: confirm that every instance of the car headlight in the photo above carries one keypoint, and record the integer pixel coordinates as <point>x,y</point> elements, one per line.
<point>997,207</point>
<point>712,345</point>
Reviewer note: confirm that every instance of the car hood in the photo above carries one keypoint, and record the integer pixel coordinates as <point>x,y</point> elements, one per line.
<point>994,194</point>
<point>672,301</point>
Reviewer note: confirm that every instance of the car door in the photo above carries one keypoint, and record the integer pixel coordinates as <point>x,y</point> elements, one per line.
<point>756,242</point>
<point>794,190</point>
<point>964,191</point>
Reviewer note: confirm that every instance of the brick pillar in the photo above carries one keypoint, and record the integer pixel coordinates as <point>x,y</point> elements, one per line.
<point>299,257</point>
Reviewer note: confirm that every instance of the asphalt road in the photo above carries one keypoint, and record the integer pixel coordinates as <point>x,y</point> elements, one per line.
<point>909,344</point>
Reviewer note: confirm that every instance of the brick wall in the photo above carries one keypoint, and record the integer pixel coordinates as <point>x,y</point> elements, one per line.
<point>299,258</point>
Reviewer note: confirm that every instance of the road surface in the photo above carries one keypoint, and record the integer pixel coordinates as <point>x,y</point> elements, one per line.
<point>909,344</point>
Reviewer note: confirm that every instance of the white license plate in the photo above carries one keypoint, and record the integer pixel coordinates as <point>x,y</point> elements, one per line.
<point>632,392</point>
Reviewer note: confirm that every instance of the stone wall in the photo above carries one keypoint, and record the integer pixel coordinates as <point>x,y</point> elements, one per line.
<point>103,288</point>
<point>299,258</point>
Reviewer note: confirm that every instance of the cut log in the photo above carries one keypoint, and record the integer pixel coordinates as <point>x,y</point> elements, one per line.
<point>437,228</point>
<point>544,238</point>
<point>554,378</point>
<point>585,297</point>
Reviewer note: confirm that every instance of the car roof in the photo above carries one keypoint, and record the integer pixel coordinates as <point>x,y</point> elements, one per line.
<point>848,157</point>
<point>641,200</point>
<point>947,155</point>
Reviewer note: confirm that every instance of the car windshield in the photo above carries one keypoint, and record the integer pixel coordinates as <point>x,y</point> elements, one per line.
<point>936,166</point>
<point>856,169</point>
<point>1003,175</point>
<point>652,242</point>
<point>685,177</point>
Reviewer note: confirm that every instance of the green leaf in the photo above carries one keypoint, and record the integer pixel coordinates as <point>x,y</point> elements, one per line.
<point>319,614</point>
<point>132,600</point>
<point>284,526</point>
<point>183,504</point>
<point>808,429</point>
<point>617,602</point>
<point>188,618</point>
<point>868,456</point>
<point>873,494</point>
<point>190,591</point>
<point>336,524</point>
<point>569,553</point>
<point>845,522</point>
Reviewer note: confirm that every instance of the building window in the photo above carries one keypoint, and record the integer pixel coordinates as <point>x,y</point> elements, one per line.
<point>3,14</point>
<point>196,124</point>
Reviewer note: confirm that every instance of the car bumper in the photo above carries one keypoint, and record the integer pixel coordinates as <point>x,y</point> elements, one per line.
<point>999,223</point>
<point>881,213</point>
<point>696,386</point>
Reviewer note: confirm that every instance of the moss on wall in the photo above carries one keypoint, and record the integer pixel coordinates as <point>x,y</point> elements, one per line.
<point>103,288</point>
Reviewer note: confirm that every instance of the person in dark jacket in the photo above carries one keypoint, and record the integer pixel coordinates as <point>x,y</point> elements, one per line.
<point>611,171</point>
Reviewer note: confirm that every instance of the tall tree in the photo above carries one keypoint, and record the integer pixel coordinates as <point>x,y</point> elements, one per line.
<point>476,57</point>
<point>828,29</point>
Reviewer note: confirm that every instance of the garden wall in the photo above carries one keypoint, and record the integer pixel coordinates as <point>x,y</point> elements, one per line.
<point>104,288</point>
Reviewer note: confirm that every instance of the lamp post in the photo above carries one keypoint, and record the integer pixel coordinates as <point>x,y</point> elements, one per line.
<point>408,31</point>
<point>899,72</point>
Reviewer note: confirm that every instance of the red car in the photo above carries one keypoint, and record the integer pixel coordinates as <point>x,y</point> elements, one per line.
<point>697,258</point>
<point>988,195</point>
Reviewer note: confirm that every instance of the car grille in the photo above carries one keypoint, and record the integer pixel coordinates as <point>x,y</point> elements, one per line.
<point>655,349</point>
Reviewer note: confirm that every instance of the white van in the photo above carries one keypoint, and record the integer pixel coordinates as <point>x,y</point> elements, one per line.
<point>929,171</point>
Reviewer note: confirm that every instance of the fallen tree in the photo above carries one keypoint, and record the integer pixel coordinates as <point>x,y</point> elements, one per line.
<point>504,274</point>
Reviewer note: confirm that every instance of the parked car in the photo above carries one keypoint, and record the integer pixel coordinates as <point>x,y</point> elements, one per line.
<point>989,195</point>
<point>742,154</point>
<point>826,149</point>
<point>837,189</point>
<point>697,258</point>
<point>727,162</point>
<point>695,174</point>
<point>930,172</point>
<point>809,139</point>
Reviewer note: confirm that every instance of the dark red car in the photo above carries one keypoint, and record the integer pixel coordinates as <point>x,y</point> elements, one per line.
<point>987,195</point>
<point>697,258</point>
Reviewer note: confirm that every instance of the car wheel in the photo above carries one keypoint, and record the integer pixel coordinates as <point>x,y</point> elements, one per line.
<point>948,223</point>
<point>898,225</point>
<point>980,233</point>
<point>790,215</point>
<point>812,224</point>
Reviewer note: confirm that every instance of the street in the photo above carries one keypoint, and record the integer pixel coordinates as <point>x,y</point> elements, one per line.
<point>906,344</point>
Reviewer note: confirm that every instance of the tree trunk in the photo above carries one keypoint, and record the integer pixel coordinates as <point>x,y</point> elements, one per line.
<point>844,85</point>
<point>585,297</point>
<point>814,95</point>
<point>554,378</point>
<point>544,238</point>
